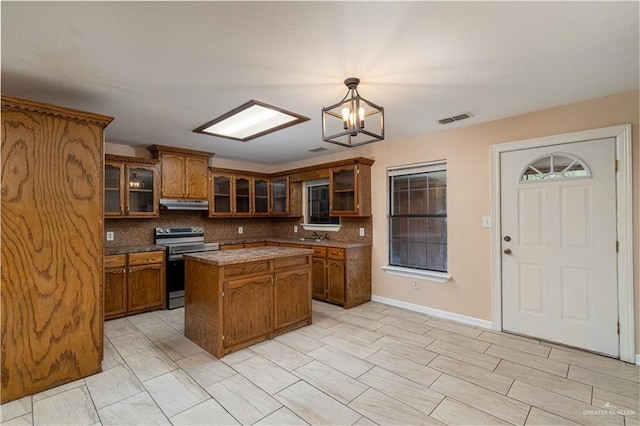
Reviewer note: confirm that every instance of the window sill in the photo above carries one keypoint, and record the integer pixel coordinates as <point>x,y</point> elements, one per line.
<point>438,277</point>
<point>320,227</point>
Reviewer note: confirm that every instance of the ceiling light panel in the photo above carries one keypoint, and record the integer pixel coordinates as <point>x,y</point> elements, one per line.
<point>250,121</point>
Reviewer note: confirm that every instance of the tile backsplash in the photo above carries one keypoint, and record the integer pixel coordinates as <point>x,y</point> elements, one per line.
<point>129,232</point>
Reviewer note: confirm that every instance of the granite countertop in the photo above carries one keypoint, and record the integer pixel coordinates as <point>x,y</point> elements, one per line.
<point>296,240</point>
<point>132,249</point>
<point>232,257</point>
<point>321,243</point>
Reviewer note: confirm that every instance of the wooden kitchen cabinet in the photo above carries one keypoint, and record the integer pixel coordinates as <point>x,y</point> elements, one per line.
<point>115,286</point>
<point>231,306</point>
<point>244,319</point>
<point>340,275</point>
<point>243,195</point>
<point>350,190</point>
<point>51,246</point>
<point>261,196</point>
<point>239,194</point>
<point>279,196</point>
<point>291,295</point>
<point>134,283</point>
<point>131,187</point>
<point>184,172</point>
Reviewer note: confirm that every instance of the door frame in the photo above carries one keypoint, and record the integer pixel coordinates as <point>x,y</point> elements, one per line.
<point>624,213</point>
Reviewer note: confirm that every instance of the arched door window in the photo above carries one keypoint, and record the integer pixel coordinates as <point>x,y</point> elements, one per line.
<point>555,166</point>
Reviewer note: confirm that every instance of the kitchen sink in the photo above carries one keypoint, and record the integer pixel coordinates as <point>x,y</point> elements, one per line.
<point>317,240</point>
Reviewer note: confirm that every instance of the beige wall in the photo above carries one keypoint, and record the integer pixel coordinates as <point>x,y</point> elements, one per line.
<point>467,152</point>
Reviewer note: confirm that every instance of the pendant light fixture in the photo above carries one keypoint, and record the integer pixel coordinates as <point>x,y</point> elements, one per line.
<point>353,121</point>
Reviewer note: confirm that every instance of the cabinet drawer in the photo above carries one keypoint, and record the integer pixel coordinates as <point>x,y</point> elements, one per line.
<point>286,263</point>
<point>246,268</point>
<point>319,251</point>
<point>335,253</point>
<point>146,258</point>
<point>115,261</point>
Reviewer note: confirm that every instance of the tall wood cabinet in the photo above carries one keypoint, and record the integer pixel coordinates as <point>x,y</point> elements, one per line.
<point>51,245</point>
<point>350,189</point>
<point>184,172</point>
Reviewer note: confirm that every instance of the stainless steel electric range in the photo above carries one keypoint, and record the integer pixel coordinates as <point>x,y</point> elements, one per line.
<point>179,241</point>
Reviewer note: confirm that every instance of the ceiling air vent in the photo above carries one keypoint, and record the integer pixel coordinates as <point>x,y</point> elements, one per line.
<point>454,118</point>
<point>318,149</point>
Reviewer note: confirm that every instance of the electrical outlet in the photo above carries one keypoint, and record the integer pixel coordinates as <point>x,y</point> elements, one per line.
<point>486,221</point>
<point>295,228</point>
<point>414,284</point>
<point>110,236</point>
<point>362,232</point>
<point>240,230</point>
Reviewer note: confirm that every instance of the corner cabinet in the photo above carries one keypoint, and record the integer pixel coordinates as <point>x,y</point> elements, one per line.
<point>134,283</point>
<point>339,275</point>
<point>350,189</point>
<point>184,172</point>
<point>51,245</point>
<point>131,187</point>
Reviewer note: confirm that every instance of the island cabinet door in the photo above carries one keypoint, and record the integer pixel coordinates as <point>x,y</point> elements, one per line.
<point>292,297</point>
<point>247,309</point>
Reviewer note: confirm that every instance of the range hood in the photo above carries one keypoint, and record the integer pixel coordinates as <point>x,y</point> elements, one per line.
<point>171,204</point>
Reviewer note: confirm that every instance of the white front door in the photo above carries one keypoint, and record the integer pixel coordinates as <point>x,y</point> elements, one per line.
<point>559,270</point>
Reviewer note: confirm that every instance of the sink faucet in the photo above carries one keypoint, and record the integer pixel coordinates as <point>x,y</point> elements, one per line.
<point>316,236</point>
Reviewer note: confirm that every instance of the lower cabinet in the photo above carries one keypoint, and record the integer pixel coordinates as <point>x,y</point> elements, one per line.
<point>134,283</point>
<point>229,307</point>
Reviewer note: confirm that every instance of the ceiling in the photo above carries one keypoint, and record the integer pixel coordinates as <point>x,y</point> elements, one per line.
<point>164,68</point>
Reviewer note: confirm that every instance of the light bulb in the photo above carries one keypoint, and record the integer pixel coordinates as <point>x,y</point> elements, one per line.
<point>345,118</point>
<point>361,114</point>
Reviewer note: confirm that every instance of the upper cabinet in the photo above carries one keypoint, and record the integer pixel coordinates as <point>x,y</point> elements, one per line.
<point>238,193</point>
<point>184,172</point>
<point>131,187</point>
<point>350,190</point>
<point>261,192</point>
<point>279,196</point>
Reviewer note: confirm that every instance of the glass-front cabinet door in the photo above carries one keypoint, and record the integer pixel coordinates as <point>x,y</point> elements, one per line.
<point>113,185</point>
<point>141,191</point>
<point>343,186</point>
<point>221,195</point>
<point>260,196</point>
<point>280,196</point>
<point>242,195</point>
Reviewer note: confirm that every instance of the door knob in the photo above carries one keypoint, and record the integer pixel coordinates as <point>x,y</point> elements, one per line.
<point>507,251</point>
<point>507,238</point>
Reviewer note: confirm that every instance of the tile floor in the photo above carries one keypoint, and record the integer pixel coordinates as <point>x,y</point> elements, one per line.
<point>374,364</point>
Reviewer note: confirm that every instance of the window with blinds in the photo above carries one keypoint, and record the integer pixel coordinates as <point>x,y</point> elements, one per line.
<point>418,216</point>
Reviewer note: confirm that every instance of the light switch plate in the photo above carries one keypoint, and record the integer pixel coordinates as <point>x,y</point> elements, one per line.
<point>110,235</point>
<point>240,230</point>
<point>486,221</point>
<point>362,232</point>
<point>295,228</point>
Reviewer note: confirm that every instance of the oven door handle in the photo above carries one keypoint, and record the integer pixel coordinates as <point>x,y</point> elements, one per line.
<point>173,257</point>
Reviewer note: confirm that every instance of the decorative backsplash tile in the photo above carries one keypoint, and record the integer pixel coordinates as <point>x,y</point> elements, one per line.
<point>141,231</point>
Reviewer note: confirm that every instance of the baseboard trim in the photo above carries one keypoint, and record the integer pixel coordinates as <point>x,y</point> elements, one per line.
<point>477,322</point>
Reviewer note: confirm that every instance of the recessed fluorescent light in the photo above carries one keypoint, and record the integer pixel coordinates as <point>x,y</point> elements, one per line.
<point>250,121</point>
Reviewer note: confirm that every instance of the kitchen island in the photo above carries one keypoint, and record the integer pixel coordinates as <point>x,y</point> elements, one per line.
<point>236,298</point>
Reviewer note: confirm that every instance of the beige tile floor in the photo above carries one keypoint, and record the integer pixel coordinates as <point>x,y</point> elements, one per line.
<point>374,364</point>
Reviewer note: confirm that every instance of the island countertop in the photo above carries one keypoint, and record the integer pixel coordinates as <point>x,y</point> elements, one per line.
<point>232,257</point>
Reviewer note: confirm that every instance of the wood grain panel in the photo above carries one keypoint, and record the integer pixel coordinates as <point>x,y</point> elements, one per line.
<point>146,258</point>
<point>244,318</point>
<point>292,297</point>
<point>115,292</point>
<point>52,227</point>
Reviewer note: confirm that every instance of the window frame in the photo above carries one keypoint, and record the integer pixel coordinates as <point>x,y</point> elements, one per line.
<point>309,226</point>
<point>415,272</point>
